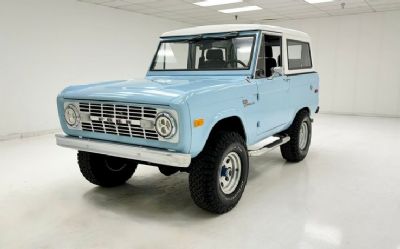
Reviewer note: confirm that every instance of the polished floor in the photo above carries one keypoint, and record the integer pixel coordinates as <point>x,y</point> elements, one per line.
<point>345,194</point>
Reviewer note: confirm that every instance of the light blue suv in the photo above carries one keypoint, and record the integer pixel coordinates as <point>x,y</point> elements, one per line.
<point>213,97</point>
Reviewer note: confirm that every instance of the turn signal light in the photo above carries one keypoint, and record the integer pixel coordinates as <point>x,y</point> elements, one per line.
<point>198,122</point>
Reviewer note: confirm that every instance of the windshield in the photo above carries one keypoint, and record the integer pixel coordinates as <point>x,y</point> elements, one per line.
<point>213,53</point>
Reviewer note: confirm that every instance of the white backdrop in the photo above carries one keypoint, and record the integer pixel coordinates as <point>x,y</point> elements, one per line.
<point>358,58</point>
<point>48,44</point>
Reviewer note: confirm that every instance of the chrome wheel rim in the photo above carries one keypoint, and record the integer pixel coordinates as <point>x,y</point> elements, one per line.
<point>229,173</point>
<point>303,136</point>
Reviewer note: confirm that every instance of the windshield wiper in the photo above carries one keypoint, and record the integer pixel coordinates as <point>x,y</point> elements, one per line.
<point>213,37</point>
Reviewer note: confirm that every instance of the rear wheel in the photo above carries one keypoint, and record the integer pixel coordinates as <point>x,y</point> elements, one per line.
<point>105,171</point>
<point>218,175</point>
<point>300,138</point>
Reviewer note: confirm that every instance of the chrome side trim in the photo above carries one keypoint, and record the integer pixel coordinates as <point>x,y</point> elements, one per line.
<point>143,154</point>
<point>262,143</point>
<point>269,147</point>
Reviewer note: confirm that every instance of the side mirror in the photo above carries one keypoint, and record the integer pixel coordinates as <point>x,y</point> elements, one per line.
<point>276,72</point>
<point>260,73</point>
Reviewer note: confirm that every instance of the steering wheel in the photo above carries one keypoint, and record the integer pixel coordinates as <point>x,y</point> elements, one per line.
<point>238,61</point>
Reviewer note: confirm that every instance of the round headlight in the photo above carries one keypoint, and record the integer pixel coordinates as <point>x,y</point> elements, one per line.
<point>71,115</point>
<point>165,125</point>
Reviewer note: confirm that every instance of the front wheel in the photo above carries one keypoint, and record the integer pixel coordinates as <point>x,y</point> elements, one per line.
<point>167,170</point>
<point>300,138</point>
<point>105,171</point>
<point>218,175</point>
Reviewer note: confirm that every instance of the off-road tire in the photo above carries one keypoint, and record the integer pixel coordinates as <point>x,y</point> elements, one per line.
<point>105,171</point>
<point>291,151</point>
<point>167,170</point>
<point>204,172</point>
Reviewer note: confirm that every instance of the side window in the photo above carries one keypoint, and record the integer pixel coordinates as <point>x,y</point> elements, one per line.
<point>299,55</point>
<point>270,55</point>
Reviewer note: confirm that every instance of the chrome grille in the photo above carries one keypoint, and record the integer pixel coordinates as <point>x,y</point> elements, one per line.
<point>118,119</point>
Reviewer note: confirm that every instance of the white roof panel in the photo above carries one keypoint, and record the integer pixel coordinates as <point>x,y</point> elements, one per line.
<point>208,29</point>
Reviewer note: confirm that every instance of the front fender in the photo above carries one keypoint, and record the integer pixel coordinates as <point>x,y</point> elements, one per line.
<point>201,134</point>
<point>216,103</point>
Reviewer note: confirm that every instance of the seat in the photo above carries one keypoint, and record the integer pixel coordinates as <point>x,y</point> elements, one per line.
<point>270,61</point>
<point>214,60</point>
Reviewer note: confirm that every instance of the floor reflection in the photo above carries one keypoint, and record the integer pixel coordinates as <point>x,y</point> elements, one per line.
<point>155,196</point>
<point>151,196</point>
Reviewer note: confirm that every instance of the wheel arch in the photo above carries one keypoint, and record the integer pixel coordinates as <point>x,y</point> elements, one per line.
<point>306,108</point>
<point>232,123</point>
<point>227,122</point>
<point>297,111</point>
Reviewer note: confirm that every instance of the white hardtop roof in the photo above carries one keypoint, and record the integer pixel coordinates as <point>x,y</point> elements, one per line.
<point>209,29</point>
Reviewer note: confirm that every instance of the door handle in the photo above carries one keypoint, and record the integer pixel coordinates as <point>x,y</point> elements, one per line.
<point>286,79</point>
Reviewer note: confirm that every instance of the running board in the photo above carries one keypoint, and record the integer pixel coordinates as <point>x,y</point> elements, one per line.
<point>269,147</point>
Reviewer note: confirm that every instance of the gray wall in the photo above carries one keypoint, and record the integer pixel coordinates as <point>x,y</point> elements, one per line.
<point>358,58</point>
<point>48,44</point>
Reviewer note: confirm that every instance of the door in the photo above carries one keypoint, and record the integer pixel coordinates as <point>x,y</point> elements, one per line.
<point>273,90</point>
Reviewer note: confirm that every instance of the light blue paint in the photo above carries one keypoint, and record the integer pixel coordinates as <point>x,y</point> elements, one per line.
<point>212,95</point>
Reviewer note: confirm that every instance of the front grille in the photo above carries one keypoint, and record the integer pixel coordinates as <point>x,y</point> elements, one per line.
<point>118,119</point>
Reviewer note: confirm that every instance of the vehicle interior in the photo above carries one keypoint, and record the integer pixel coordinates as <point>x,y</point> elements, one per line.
<point>269,56</point>
<point>220,54</point>
<point>206,53</point>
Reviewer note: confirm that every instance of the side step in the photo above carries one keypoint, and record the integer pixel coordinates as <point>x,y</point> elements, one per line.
<point>269,147</point>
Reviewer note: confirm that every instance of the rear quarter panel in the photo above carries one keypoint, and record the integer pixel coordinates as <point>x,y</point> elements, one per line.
<point>304,92</point>
<point>304,83</point>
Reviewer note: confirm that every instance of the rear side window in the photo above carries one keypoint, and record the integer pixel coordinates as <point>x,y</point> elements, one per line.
<point>299,55</point>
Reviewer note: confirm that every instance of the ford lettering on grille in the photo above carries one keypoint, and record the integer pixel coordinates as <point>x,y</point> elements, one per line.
<point>119,119</point>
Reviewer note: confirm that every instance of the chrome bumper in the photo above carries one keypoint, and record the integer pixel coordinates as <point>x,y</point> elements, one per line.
<point>143,154</point>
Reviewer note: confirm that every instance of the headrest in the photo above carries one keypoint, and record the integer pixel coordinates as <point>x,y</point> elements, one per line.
<point>268,52</point>
<point>215,54</point>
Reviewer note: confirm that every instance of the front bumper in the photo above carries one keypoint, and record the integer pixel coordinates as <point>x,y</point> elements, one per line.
<point>142,154</point>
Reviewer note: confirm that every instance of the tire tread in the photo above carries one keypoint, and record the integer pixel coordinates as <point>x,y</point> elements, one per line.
<point>92,168</point>
<point>202,187</point>
<point>290,151</point>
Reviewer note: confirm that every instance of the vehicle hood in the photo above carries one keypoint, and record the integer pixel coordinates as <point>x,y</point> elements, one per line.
<point>157,90</point>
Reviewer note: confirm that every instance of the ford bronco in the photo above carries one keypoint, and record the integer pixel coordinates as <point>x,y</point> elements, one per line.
<point>213,97</point>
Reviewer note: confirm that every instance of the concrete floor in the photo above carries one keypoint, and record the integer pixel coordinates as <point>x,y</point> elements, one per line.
<point>346,194</point>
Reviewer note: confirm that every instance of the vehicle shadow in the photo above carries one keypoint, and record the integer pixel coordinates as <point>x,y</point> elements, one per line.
<point>150,196</point>
<point>158,197</point>
<point>260,165</point>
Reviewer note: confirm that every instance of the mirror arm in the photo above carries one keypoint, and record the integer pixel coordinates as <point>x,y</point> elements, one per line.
<point>276,71</point>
